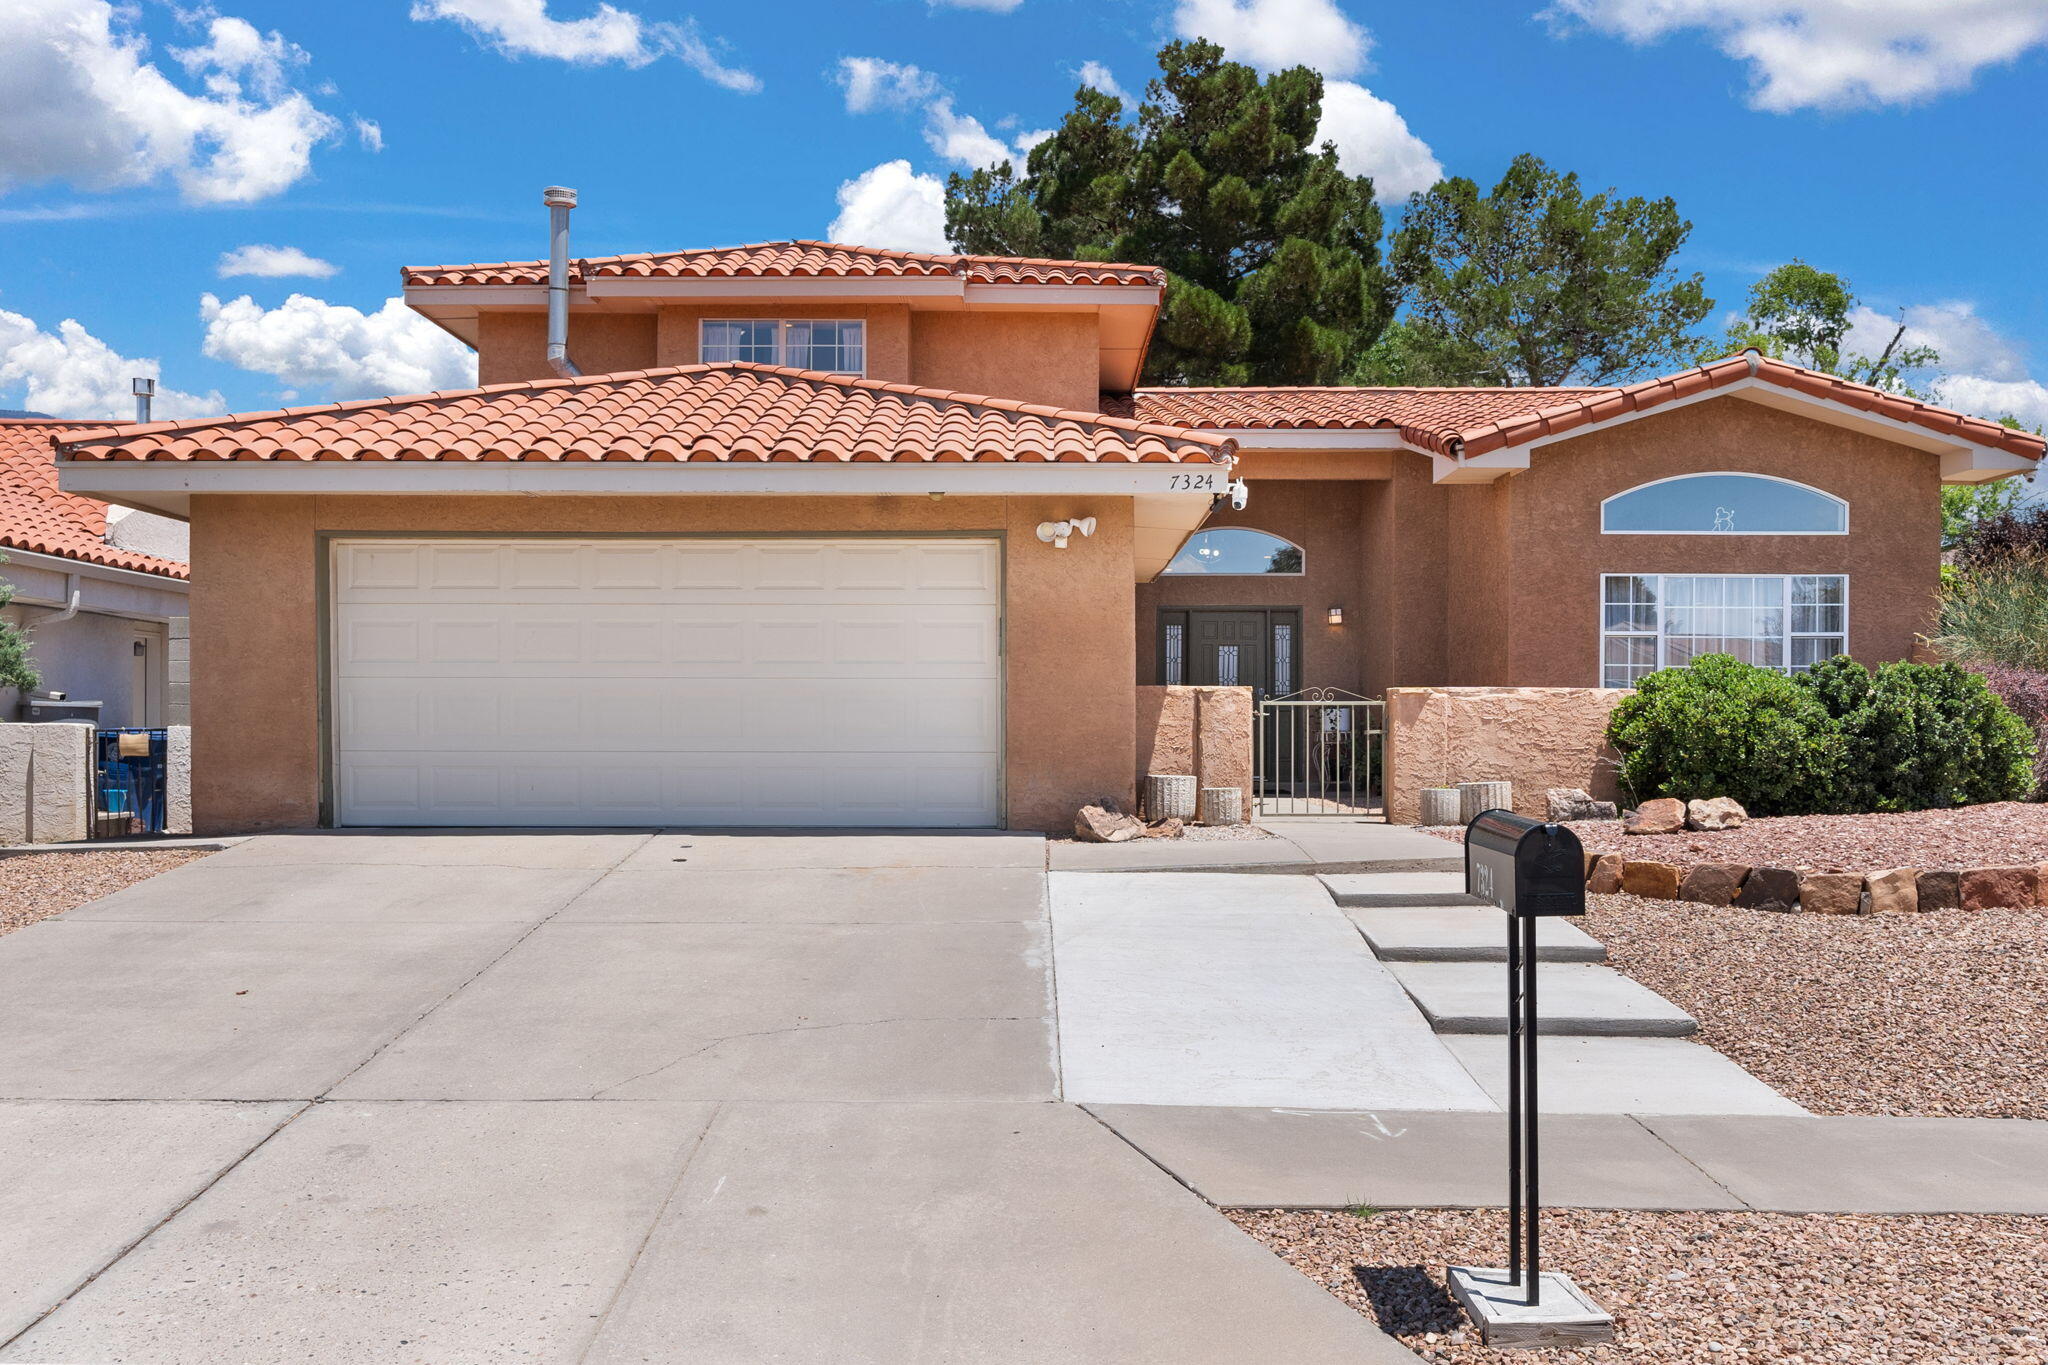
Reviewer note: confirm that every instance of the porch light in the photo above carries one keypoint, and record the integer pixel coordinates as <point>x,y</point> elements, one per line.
<point>1055,533</point>
<point>1336,616</point>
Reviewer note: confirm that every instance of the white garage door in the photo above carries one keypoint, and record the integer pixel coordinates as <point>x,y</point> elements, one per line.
<point>706,681</point>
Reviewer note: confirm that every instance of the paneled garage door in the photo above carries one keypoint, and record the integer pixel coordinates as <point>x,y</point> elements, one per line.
<point>632,681</point>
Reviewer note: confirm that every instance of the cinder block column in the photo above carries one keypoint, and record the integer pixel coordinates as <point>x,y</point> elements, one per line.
<point>178,683</point>
<point>60,800</point>
<point>178,781</point>
<point>16,763</point>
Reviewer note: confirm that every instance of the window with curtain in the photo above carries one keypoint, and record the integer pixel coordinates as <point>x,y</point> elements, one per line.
<point>1724,504</point>
<point>835,347</point>
<point>1789,622</point>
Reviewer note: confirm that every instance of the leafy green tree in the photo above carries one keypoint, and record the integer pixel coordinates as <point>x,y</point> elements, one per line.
<point>1272,252</point>
<point>1537,282</point>
<point>1965,505</point>
<point>1801,314</point>
<point>15,669</point>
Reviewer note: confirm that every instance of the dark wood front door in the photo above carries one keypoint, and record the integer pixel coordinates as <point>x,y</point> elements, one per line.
<point>1251,647</point>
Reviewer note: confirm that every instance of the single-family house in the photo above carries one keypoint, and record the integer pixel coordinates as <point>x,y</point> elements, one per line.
<point>96,587</point>
<point>804,533</point>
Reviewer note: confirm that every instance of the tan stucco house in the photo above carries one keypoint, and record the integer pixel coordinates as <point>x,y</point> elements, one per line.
<point>800,533</point>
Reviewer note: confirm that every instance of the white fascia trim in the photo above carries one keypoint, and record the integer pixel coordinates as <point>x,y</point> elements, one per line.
<point>472,296</point>
<point>1193,479</point>
<point>1090,295</point>
<point>1319,438</point>
<point>778,287</point>
<point>1480,468</point>
<point>33,559</point>
<point>1980,464</point>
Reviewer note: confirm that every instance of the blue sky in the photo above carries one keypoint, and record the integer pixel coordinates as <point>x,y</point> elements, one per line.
<point>1901,151</point>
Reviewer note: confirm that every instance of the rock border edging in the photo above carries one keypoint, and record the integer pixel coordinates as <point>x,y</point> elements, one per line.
<point>1884,890</point>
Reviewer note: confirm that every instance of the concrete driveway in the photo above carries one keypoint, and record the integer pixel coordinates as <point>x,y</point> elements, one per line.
<point>605,1097</point>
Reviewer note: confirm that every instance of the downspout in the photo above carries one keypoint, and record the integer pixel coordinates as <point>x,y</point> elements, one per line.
<point>69,610</point>
<point>559,201</point>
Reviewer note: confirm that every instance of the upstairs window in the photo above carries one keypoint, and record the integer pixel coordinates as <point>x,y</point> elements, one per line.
<point>831,346</point>
<point>1724,505</point>
<point>1236,550</point>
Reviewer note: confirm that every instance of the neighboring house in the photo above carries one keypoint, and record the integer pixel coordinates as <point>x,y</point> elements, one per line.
<point>834,535</point>
<point>95,587</point>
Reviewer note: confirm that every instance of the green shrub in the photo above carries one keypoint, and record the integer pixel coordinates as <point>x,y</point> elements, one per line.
<point>1996,616</point>
<point>1721,727</point>
<point>1919,736</point>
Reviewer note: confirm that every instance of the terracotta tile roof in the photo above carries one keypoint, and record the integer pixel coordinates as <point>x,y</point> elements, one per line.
<point>794,260</point>
<point>37,515</point>
<point>691,413</point>
<point>1481,420</point>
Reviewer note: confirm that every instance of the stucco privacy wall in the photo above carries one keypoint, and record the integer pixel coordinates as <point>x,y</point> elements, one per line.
<point>1534,737</point>
<point>256,625</point>
<point>1203,731</point>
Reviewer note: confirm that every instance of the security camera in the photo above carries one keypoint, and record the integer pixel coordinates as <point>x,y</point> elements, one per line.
<point>1055,533</point>
<point>1239,495</point>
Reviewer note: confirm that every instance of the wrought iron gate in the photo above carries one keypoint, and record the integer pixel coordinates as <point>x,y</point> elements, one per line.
<point>1318,752</point>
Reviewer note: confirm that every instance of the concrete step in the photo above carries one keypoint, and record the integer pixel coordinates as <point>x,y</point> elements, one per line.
<point>1572,998</point>
<point>1398,888</point>
<point>1624,1076</point>
<point>1458,933</point>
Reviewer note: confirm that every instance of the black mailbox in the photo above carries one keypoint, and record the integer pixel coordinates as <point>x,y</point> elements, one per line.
<point>1524,866</point>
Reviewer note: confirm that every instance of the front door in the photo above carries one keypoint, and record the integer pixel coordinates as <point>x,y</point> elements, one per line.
<point>1255,647</point>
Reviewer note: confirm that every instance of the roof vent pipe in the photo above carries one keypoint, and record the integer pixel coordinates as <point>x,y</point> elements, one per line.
<point>144,389</point>
<point>559,201</point>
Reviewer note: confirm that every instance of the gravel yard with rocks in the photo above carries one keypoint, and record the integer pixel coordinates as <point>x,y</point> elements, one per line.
<point>1687,1288</point>
<point>1939,1013</point>
<point>35,886</point>
<point>2009,832</point>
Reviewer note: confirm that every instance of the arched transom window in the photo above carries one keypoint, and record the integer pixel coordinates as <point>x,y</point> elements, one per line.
<point>1236,550</point>
<point>1724,505</point>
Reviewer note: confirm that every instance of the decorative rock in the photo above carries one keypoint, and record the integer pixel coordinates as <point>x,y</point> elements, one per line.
<point>1712,883</point>
<point>1440,806</point>
<point>1170,796</point>
<point>1720,812</point>
<point>1893,891</point>
<point>1941,890</point>
<point>1169,828</point>
<point>1222,806</point>
<point>1096,825</point>
<point>1573,803</point>
<point>1474,797</point>
<point>1665,815</point>
<point>1652,881</point>
<point>1769,888</point>
<point>2000,888</point>
<point>1605,878</point>
<point>1831,893</point>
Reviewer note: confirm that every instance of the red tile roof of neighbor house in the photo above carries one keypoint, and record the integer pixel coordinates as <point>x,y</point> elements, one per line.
<point>721,413</point>
<point>795,260</point>
<point>37,515</point>
<point>1480,420</point>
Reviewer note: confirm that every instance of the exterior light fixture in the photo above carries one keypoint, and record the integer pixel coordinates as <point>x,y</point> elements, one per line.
<point>1336,616</point>
<point>1055,533</point>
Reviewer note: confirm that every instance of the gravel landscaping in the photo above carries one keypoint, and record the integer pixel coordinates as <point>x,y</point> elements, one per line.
<point>1686,1288</point>
<point>2009,832</point>
<point>35,886</point>
<point>1938,1013</point>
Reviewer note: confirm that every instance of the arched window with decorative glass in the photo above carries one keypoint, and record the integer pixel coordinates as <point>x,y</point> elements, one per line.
<point>1236,550</point>
<point>1724,504</point>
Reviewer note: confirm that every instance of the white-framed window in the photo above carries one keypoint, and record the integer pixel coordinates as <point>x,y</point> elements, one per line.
<point>835,346</point>
<point>1236,550</point>
<point>1724,504</point>
<point>1789,622</point>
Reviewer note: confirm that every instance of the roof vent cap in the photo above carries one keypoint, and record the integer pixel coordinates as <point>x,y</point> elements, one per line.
<point>558,197</point>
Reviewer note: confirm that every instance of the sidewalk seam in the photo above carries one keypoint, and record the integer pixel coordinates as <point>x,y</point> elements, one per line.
<point>1662,1141</point>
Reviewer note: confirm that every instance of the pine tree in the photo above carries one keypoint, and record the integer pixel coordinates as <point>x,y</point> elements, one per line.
<point>1272,252</point>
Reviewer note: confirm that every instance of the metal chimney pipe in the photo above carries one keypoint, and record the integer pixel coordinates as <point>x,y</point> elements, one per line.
<point>144,389</point>
<point>559,201</point>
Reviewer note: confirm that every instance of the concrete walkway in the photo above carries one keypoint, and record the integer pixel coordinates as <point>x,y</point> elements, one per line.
<point>1329,844</point>
<point>588,1096</point>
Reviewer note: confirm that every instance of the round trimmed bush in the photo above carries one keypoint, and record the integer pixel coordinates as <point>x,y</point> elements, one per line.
<point>1721,727</point>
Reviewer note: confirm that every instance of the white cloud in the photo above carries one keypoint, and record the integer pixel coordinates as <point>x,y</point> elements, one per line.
<point>2025,399</point>
<point>1275,34</point>
<point>524,28</point>
<point>338,350</point>
<point>370,134</point>
<point>891,206</point>
<point>72,373</point>
<point>79,103</point>
<point>1030,138</point>
<point>273,262</point>
<point>871,83</point>
<point>1373,139</point>
<point>1824,54</point>
<point>960,137</point>
<point>1096,76</point>
<point>1982,371</point>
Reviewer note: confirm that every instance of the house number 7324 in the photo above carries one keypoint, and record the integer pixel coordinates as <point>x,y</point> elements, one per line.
<point>1192,483</point>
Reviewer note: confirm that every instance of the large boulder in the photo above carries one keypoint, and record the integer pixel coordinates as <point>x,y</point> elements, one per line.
<point>1605,877</point>
<point>1940,889</point>
<point>1831,893</point>
<point>1652,881</point>
<point>1665,815</point>
<point>1892,891</point>
<point>1573,803</point>
<point>1712,883</point>
<point>1720,812</point>
<point>1100,825</point>
<point>2000,888</point>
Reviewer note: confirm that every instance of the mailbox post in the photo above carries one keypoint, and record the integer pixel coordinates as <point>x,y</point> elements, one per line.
<point>1531,870</point>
